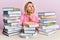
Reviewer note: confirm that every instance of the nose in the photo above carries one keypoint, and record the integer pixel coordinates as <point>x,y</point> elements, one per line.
<point>31,7</point>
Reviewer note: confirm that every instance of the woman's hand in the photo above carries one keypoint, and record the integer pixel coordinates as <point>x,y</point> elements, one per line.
<point>31,16</point>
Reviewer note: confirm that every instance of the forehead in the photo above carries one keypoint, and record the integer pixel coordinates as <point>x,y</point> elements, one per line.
<point>29,4</point>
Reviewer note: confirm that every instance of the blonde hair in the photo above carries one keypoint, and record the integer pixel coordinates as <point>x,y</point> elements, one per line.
<point>27,4</point>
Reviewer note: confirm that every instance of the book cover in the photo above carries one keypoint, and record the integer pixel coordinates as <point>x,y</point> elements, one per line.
<point>10,18</point>
<point>46,30</point>
<point>11,21</point>
<point>30,24</point>
<point>32,32</point>
<point>48,33</point>
<point>43,17</point>
<point>12,13</point>
<point>46,13</point>
<point>11,9</point>
<point>50,27</point>
<point>30,28</point>
<point>47,24</point>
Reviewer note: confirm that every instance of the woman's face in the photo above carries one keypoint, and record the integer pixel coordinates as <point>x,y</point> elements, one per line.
<point>30,8</point>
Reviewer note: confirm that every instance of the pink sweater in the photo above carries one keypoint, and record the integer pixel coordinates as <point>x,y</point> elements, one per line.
<point>26,18</point>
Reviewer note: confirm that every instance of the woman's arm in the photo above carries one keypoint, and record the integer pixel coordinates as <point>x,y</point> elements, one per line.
<point>35,19</point>
<point>21,21</point>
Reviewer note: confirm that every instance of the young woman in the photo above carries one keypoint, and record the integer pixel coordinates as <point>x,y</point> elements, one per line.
<point>29,15</point>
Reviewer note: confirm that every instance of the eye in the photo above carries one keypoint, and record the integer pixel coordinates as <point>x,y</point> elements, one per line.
<point>29,6</point>
<point>32,6</point>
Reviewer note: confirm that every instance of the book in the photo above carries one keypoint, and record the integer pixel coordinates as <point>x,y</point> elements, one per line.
<point>50,27</point>
<point>42,17</point>
<point>11,18</point>
<point>29,32</point>
<point>10,9</point>
<point>47,33</point>
<point>52,19</point>
<point>8,30</point>
<point>18,28</point>
<point>30,24</point>
<point>24,35</point>
<point>30,28</point>
<point>47,30</point>
<point>47,24</point>
<point>11,30</point>
<point>12,13</point>
<point>11,21</point>
<point>13,34</point>
<point>11,24</point>
<point>12,27</point>
<point>46,13</point>
<point>48,21</point>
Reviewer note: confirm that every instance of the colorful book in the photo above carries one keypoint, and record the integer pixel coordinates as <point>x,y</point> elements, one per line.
<point>47,30</point>
<point>50,27</point>
<point>46,13</point>
<point>47,17</point>
<point>10,27</point>
<point>11,18</point>
<point>47,33</point>
<point>24,35</point>
<point>47,24</point>
<point>14,15</point>
<point>13,34</point>
<point>11,9</point>
<point>30,24</point>
<point>11,12</point>
<point>48,21</point>
<point>11,24</point>
<point>10,32</point>
<point>11,21</point>
<point>30,28</point>
<point>29,32</point>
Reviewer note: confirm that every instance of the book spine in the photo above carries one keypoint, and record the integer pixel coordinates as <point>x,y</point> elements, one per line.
<point>47,33</point>
<point>11,21</point>
<point>50,27</point>
<point>30,28</point>
<point>11,9</point>
<point>42,17</point>
<point>47,30</point>
<point>46,13</point>
<point>25,34</point>
<point>11,18</point>
<point>47,21</point>
<point>34,25</point>
<point>29,32</point>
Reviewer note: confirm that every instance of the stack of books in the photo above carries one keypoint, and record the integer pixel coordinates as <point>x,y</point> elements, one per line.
<point>11,31</point>
<point>48,23</point>
<point>28,32</point>
<point>11,20</point>
<point>29,29</point>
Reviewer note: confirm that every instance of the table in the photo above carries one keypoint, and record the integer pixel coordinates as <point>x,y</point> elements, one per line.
<point>55,36</point>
